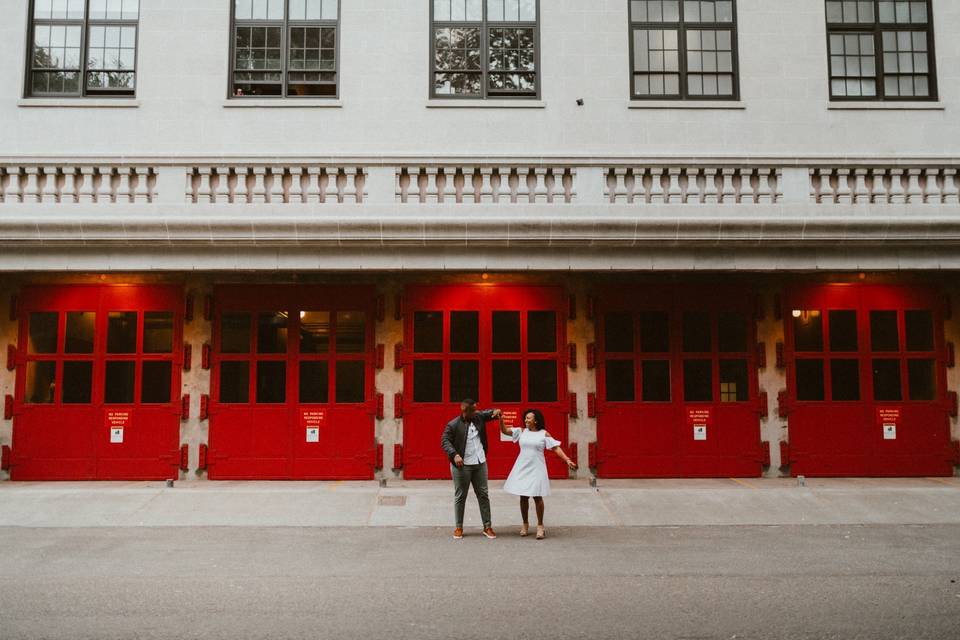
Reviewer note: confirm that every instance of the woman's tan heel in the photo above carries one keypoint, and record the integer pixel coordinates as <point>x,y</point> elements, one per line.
<point>541,533</point>
<point>524,531</point>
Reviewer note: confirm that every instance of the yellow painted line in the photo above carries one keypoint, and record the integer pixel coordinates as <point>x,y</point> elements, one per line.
<point>744,483</point>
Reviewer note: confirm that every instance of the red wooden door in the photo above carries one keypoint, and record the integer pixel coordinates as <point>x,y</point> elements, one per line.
<point>292,390</point>
<point>677,383</point>
<point>501,345</point>
<point>866,381</point>
<point>98,383</point>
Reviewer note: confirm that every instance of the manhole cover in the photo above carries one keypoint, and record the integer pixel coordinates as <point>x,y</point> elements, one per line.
<point>392,501</point>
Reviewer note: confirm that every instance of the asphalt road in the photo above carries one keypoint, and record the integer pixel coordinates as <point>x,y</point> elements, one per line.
<point>844,582</point>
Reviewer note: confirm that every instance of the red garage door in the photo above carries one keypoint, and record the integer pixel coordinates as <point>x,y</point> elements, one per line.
<point>498,344</point>
<point>677,386</point>
<point>866,381</point>
<point>98,379</point>
<point>292,387</point>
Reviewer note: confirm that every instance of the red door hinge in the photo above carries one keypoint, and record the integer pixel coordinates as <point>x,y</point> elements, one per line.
<point>398,356</point>
<point>782,404</point>
<point>397,405</point>
<point>955,452</point>
<point>591,355</point>
<point>184,457</point>
<point>573,453</point>
<point>764,453</point>
<point>572,409</point>
<point>11,357</point>
<point>572,355</point>
<point>185,407</point>
<point>764,404</point>
<point>784,453</point>
<point>761,355</point>
<point>591,405</point>
<point>6,458</point>
<point>204,407</point>
<point>202,456</point>
<point>952,403</point>
<point>591,307</point>
<point>188,308</point>
<point>379,406</point>
<point>781,360</point>
<point>398,308</point>
<point>381,308</point>
<point>187,356</point>
<point>7,407</point>
<point>378,464</point>
<point>381,349</point>
<point>205,356</point>
<point>592,455</point>
<point>397,457</point>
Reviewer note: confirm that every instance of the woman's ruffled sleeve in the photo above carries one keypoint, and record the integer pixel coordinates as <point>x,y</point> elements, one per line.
<point>515,433</point>
<point>550,443</point>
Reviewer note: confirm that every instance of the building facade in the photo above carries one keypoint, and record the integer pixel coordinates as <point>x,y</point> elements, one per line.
<point>281,239</point>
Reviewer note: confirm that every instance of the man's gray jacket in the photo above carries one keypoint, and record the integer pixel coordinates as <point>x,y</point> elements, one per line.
<point>454,440</point>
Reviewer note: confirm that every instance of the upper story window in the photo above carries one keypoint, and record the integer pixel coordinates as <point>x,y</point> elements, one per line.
<point>83,48</point>
<point>285,48</point>
<point>683,50</point>
<point>485,49</point>
<point>881,50</point>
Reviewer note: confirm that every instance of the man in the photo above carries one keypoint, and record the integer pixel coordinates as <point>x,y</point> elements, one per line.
<point>465,443</point>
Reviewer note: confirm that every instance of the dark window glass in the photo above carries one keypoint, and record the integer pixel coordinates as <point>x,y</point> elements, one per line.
<point>843,331</point>
<point>883,331</point>
<point>506,331</point>
<point>304,65</point>
<point>844,379</point>
<point>315,332</point>
<point>618,381</point>
<point>42,332</point>
<point>542,331</point>
<point>919,329</point>
<point>314,382</point>
<point>618,332</point>
<point>921,379</point>
<point>81,326</point>
<point>272,332</point>
<point>118,385</point>
<point>886,380</point>
<point>542,381</point>
<point>810,381</point>
<point>77,382</point>
<point>65,63</point>
<point>481,54</point>
<point>428,332</point>
<point>350,381</point>
<point>506,381</point>
<point>464,380</point>
<point>697,381</point>
<point>696,332</point>
<point>271,382</point>
<point>158,332</point>
<point>732,330</point>
<point>807,330</point>
<point>122,332</point>
<point>234,382</point>
<point>155,382</point>
<point>428,381</point>
<point>235,333</point>
<point>655,332</point>
<point>465,333</point>
<point>684,50</point>
<point>655,380</point>
<point>41,382</point>
<point>351,331</point>
<point>734,381</point>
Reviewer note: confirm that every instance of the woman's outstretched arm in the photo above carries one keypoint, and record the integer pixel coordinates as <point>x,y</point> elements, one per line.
<point>563,456</point>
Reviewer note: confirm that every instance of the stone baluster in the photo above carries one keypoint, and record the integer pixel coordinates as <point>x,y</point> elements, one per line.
<point>498,183</point>
<point>472,184</point>
<point>331,188</point>
<point>222,193</point>
<point>49,191</point>
<point>816,186</point>
<point>951,186</point>
<point>354,182</point>
<point>710,195</point>
<point>449,194</point>
<point>205,186</point>
<point>259,185</point>
<point>105,191</point>
<point>189,187</point>
<point>31,190</point>
<point>914,193</point>
<point>312,192</point>
<point>674,195</point>
<point>10,185</point>
<point>932,190</point>
<point>141,191</point>
<point>540,192</point>
<point>764,188</point>
<point>570,185</point>
<point>692,193</point>
<point>296,195</point>
<point>275,191</point>
<point>68,191</point>
<point>124,184</point>
<point>433,189</point>
<point>241,192</point>
<point>897,193</point>
<point>619,193</point>
<point>878,190</point>
<point>728,194</point>
<point>861,194</point>
<point>486,184</point>
<point>657,194</point>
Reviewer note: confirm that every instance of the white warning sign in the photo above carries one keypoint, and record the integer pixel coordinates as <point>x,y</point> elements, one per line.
<point>116,435</point>
<point>313,434</point>
<point>699,432</point>
<point>889,431</point>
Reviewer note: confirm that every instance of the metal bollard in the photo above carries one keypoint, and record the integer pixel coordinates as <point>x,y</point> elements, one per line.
<point>801,481</point>
<point>169,483</point>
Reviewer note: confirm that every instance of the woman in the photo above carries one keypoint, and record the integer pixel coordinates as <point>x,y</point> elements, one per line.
<point>528,478</point>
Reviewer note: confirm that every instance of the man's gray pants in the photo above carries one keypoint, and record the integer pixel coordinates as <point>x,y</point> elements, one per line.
<point>475,474</point>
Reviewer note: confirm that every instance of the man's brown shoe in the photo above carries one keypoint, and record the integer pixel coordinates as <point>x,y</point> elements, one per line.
<point>458,534</point>
<point>489,533</point>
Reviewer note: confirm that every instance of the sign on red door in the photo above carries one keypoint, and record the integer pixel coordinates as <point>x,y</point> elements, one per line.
<point>676,381</point>
<point>292,391</point>
<point>501,345</point>
<point>866,381</point>
<point>98,383</point>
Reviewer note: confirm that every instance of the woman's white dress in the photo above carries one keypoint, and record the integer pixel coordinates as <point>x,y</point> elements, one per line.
<point>529,474</point>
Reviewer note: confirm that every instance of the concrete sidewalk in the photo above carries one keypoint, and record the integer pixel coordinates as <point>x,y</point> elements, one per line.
<point>404,504</point>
